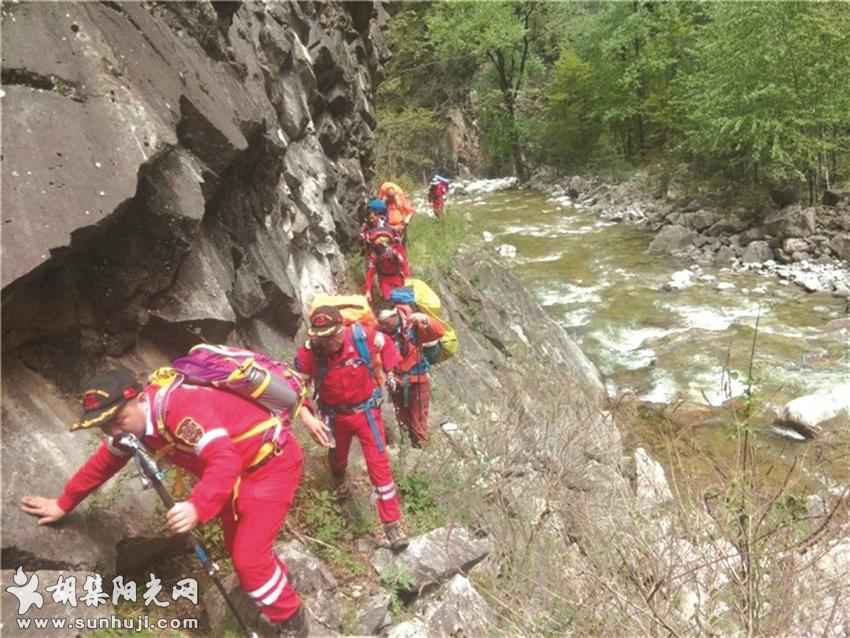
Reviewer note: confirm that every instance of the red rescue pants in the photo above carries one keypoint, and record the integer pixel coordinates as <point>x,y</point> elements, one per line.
<point>437,205</point>
<point>411,409</point>
<point>346,427</point>
<point>265,496</point>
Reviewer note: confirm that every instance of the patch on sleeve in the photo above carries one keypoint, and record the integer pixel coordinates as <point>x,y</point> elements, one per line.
<point>189,431</point>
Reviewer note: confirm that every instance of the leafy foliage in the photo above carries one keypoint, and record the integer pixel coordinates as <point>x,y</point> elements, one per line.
<point>753,92</point>
<point>404,143</point>
<point>770,91</point>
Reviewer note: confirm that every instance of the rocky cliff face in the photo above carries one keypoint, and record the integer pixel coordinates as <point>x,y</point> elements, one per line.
<point>171,172</point>
<point>178,172</point>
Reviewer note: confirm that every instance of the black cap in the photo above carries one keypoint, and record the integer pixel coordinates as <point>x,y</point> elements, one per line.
<point>105,394</point>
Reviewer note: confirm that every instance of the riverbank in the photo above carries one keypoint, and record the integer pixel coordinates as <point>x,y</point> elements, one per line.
<point>804,246</point>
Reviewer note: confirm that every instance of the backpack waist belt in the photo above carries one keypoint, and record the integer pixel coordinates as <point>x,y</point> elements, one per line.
<point>367,406</point>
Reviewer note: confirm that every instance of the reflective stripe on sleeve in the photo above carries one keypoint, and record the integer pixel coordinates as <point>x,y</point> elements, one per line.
<point>212,435</point>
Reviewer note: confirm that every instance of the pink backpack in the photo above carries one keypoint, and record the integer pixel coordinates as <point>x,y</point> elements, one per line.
<point>249,374</point>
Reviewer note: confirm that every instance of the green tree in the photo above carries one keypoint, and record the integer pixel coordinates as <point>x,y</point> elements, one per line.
<point>494,33</point>
<point>418,90</point>
<point>634,50</point>
<point>771,93</point>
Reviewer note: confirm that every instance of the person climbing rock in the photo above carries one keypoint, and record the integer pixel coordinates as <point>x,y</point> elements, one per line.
<point>387,258</point>
<point>221,438</point>
<point>416,335</point>
<point>347,366</point>
<point>437,191</point>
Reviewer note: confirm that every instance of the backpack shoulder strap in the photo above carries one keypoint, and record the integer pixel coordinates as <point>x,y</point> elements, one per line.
<point>321,364</point>
<point>359,335</point>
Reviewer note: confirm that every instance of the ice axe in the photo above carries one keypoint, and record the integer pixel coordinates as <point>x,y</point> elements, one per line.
<point>152,477</point>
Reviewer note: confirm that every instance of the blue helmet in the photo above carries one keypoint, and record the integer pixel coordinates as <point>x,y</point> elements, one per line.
<point>376,205</point>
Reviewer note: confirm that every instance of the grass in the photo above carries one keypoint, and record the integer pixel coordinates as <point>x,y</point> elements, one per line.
<point>398,580</point>
<point>433,244</point>
<point>422,512</point>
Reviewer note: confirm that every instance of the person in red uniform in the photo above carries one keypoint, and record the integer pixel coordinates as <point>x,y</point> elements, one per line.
<point>388,260</point>
<point>199,429</point>
<point>416,335</point>
<point>376,218</point>
<point>399,210</point>
<point>348,390</point>
<point>437,192</point>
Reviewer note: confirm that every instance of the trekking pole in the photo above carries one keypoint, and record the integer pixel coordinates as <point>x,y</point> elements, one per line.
<point>154,475</point>
<point>420,360</point>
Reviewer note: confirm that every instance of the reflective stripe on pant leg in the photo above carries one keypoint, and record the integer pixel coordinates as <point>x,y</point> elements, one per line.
<point>264,500</point>
<point>378,466</point>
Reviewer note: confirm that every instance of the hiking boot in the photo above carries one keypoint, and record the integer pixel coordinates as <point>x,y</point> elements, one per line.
<point>398,541</point>
<point>342,489</point>
<point>296,626</point>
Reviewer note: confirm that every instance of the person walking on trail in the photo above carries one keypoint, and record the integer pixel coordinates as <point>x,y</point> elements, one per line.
<point>376,218</point>
<point>399,210</point>
<point>437,191</point>
<point>387,259</point>
<point>219,437</point>
<point>347,367</point>
<point>416,335</point>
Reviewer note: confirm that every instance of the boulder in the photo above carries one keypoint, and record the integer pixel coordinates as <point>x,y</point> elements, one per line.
<point>727,226</point>
<point>374,614</point>
<point>812,411</point>
<point>651,487</point>
<point>39,456</point>
<point>832,198</point>
<point>795,245</point>
<point>672,238</point>
<point>785,194</point>
<point>701,220</point>
<point>315,583</point>
<point>757,252</point>
<point>456,609</point>
<point>792,221</point>
<point>409,629</point>
<point>840,246</point>
<point>433,557</point>
<point>724,256</point>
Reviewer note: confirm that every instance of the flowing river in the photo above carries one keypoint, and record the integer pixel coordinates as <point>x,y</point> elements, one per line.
<point>597,279</point>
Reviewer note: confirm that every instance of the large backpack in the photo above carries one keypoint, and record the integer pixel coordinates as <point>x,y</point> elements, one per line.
<point>417,294</point>
<point>249,374</point>
<point>353,308</point>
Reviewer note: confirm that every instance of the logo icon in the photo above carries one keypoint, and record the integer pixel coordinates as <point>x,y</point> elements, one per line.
<point>25,590</point>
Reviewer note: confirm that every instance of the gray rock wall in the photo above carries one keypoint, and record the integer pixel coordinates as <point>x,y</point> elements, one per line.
<point>172,172</point>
